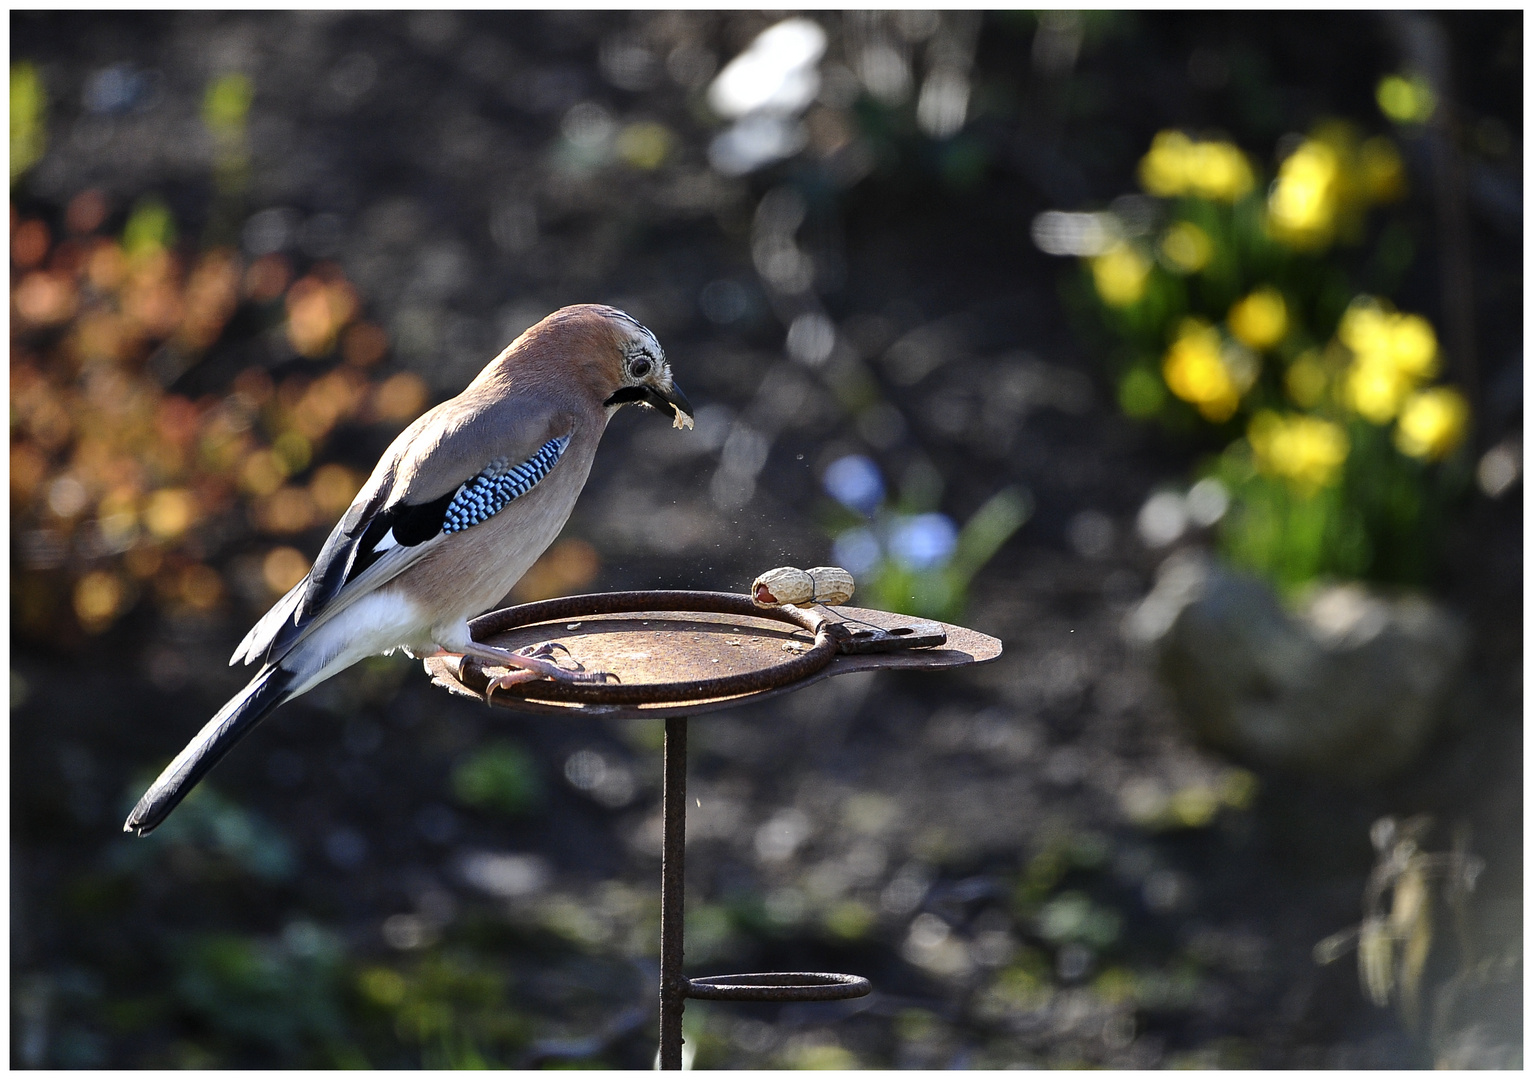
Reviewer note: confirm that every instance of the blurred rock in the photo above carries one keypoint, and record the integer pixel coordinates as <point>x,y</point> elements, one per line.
<point>1477,1022</point>
<point>1350,685</point>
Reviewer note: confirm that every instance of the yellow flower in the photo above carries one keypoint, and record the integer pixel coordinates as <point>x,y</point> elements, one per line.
<point>1406,101</point>
<point>1261,319</point>
<point>1323,187</point>
<point>1375,390</point>
<point>1163,171</point>
<point>1218,170</point>
<point>1200,370</point>
<point>1404,341</point>
<point>1432,423</point>
<point>1413,346</point>
<point>1364,326</point>
<point>1306,451</point>
<point>1119,274</point>
<point>1186,248</point>
<point>1392,355</point>
<point>1176,165</point>
<point>1306,197</point>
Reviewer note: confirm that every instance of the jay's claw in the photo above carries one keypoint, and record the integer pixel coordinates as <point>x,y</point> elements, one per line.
<point>509,679</point>
<point>546,651</point>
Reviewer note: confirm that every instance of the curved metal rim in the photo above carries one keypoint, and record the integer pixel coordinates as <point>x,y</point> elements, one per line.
<point>779,986</point>
<point>827,643</point>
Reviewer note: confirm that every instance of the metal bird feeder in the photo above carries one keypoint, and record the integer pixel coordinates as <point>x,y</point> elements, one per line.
<point>680,654</point>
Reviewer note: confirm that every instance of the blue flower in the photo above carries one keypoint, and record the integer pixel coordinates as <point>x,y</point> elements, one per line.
<point>857,551</point>
<point>924,541</point>
<point>854,482</point>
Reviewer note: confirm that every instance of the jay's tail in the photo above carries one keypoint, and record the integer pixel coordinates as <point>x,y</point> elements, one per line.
<point>249,707</point>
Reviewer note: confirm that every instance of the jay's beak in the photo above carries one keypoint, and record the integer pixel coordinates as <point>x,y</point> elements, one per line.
<point>672,402</point>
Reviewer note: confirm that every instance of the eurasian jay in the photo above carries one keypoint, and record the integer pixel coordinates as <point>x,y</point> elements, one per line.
<point>458,508</point>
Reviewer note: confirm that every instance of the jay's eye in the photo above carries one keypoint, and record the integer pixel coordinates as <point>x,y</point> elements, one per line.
<point>639,368</point>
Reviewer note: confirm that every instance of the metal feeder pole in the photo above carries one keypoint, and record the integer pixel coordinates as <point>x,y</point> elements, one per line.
<point>673,988</point>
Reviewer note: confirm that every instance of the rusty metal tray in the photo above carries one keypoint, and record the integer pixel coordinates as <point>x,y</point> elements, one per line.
<point>683,653</point>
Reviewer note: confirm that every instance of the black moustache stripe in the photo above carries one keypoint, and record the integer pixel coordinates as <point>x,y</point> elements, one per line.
<point>627,395</point>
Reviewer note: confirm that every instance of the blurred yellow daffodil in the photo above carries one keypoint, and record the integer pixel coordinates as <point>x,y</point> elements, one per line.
<point>1261,319</point>
<point>1392,354</point>
<point>1177,165</point>
<point>1200,369</point>
<point>1306,451</point>
<point>1163,171</point>
<point>1185,248</point>
<point>1219,171</point>
<point>1306,197</point>
<point>1375,391</point>
<point>1119,274</point>
<point>1325,185</point>
<point>1406,100</point>
<point>1432,423</point>
<point>1408,342</point>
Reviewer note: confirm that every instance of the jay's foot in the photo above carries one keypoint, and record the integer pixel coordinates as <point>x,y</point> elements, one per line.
<point>531,663</point>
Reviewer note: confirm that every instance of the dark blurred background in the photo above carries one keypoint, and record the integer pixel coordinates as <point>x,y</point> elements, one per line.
<point>248,248</point>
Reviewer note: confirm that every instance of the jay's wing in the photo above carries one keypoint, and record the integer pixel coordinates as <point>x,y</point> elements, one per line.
<point>456,466</point>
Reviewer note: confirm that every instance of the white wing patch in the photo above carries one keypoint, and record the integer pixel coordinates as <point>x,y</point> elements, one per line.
<point>385,543</point>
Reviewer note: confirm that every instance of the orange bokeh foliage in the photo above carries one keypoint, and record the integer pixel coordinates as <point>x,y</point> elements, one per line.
<point>116,479</point>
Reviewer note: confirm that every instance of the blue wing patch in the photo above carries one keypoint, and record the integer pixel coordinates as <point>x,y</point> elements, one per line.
<point>497,484</point>
<point>368,531</point>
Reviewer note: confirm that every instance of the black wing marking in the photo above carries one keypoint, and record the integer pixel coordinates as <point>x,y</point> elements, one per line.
<point>401,525</point>
<point>361,538</point>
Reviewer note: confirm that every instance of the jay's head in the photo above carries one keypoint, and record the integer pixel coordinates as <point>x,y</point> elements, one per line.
<point>607,353</point>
